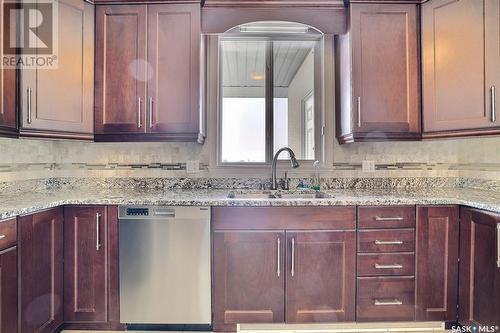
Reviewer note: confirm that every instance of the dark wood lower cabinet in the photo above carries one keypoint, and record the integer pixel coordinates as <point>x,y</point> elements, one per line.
<point>479,291</point>
<point>40,246</point>
<point>8,290</point>
<point>249,278</point>
<point>91,267</point>
<point>387,298</point>
<point>260,276</point>
<point>85,264</point>
<point>283,265</point>
<point>320,276</point>
<point>437,263</point>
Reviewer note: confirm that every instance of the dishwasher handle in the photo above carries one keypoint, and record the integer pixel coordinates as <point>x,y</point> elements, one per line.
<point>164,212</point>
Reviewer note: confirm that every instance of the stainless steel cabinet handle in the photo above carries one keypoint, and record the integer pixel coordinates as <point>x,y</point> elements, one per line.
<point>139,103</point>
<point>498,245</point>
<point>293,257</point>
<point>493,104</point>
<point>359,111</point>
<point>29,106</point>
<point>396,218</point>
<point>393,266</point>
<point>150,112</point>
<point>2,236</point>
<point>391,302</point>
<point>97,236</point>
<point>396,242</point>
<point>278,257</point>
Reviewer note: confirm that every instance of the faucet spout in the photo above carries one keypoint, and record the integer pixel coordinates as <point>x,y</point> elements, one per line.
<point>293,161</point>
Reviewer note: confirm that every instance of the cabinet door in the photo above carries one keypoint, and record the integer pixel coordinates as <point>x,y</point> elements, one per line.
<point>8,290</point>
<point>386,95</point>
<point>453,65</point>
<point>492,57</point>
<point>248,278</point>
<point>479,292</point>
<point>62,98</point>
<point>121,69</point>
<point>7,86</point>
<point>321,276</point>
<point>41,271</point>
<point>174,56</point>
<point>85,264</point>
<point>437,263</point>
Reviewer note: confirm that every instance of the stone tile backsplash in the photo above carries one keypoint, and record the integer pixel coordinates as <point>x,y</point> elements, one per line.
<point>21,159</point>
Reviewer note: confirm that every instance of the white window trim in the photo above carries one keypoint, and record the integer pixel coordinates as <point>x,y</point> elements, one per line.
<point>326,110</point>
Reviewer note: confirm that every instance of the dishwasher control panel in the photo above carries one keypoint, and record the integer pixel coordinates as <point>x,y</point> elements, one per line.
<point>137,211</point>
<point>163,212</point>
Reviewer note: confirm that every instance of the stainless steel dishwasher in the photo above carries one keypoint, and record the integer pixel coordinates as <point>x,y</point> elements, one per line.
<point>165,266</point>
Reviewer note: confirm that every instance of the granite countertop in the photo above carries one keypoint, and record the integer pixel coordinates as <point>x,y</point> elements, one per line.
<point>18,203</point>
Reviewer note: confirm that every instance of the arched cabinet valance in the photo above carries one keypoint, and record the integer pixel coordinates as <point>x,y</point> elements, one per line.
<point>329,17</point>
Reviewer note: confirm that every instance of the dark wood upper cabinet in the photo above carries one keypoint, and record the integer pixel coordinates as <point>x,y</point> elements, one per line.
<point>148,73</point>
<point>436,263</point>
<point>377,66</point>
<point>249,278</point>
<point>479,290</point>
<point>58,102</point>
<point>320,276</point>
<point>460,67</point>
<point>40,253</point>
<point>85,264</point>
<point>173,89</point>
<point>120,77</point>
<point>8,115</point>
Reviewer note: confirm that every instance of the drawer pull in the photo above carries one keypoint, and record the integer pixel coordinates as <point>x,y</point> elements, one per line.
<point>395,218</point>
<point>493,104</point>
<point>97,233</point>
<point>394,266</point>
<point>2,236</point>
<point>498,245</point>
<point>390,302</point>
<point>396,242</point>
<point>139,101</point>
<point>278,256</point>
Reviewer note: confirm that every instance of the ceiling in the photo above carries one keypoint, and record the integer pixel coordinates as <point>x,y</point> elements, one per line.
<point>243,62</point>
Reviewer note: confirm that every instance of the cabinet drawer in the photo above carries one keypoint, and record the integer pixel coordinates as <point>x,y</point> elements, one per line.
<point>280,218</point>
<point>386,264</point>
<point>392,240</point>
<point>386,217</point>
<point>385,298</point>
<point>8,233</point>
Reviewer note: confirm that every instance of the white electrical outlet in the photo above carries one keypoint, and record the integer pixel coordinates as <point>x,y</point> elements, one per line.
<point>368,166</point>
<point>192,166</point>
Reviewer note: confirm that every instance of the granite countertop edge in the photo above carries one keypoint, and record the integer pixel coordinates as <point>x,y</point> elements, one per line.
<point>27,203</point>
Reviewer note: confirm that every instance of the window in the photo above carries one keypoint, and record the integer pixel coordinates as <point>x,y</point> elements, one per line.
<point>269,87</point>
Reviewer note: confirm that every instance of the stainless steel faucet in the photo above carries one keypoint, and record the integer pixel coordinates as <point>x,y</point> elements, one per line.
<point>293,161</point>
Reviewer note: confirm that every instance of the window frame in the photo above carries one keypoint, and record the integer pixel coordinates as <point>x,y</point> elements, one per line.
<point>319,116</point>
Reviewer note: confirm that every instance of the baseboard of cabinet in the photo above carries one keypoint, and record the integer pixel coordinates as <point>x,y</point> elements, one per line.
<point>149,137</point>
<point>42,134</point>
<point>461,133</point>
<point>352,327</point>
<point>377,137</point>
<point>9,132</point>
<point>94,326</point>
